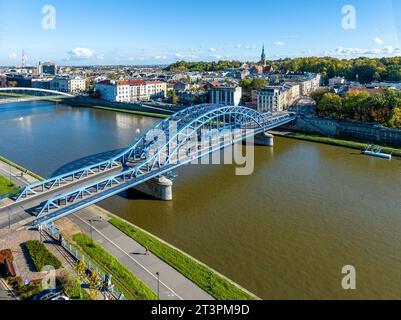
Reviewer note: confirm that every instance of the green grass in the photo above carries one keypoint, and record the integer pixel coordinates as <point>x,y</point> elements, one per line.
<point>15,95</point>
<point>34,175</point>
<point>77,293</point>
<point>207,279</point>
<point>41,256</point>
<point>7,187</point>
<point>338,142</point>
<point>124,280</point>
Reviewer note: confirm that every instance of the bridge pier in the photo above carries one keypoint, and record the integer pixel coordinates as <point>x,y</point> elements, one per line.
<point>160,188</point>
<point>264,139</point>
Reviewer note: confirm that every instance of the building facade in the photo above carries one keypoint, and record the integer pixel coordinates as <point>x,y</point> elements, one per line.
<point>132,90</point>
<point>277,98</point>
<point>226,95</point>
<point>67,84</point>
<point>47,68</point>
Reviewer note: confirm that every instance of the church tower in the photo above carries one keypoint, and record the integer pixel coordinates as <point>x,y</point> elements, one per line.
<point>263,57</point>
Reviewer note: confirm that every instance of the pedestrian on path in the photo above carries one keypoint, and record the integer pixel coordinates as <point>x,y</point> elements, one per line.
<point>146,251</point>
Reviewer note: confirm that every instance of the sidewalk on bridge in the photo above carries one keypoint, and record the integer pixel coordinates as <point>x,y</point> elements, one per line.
<point>173,285</point>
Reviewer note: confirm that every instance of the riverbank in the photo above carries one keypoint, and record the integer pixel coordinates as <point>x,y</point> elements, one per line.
<point>312,137</point>
<point>218,286</point>
<point>22,169</point>
<point>104,105</point>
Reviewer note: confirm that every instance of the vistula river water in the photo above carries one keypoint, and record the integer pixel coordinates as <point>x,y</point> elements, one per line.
<point>284,232</point>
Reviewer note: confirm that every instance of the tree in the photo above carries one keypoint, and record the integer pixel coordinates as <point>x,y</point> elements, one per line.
<point>395,120</point>
<point>172,96</point>
<point>81,269</point>
<point>95,285</point>
<point>12,84</point>
<point>330,105</point>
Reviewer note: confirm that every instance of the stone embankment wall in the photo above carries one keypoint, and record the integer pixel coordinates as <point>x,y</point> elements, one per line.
<point>352,129</point>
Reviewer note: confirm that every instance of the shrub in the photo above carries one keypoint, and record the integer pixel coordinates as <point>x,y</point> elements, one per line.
<point>41,256</point>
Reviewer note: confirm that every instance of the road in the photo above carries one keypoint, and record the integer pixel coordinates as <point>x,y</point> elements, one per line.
<point>173,285</point>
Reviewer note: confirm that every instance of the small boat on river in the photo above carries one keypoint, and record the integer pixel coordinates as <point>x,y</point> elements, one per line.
<point>376,152</point>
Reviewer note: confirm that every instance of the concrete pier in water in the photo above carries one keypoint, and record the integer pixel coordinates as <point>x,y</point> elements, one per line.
<point>160,188</point>
<point>264,139</point>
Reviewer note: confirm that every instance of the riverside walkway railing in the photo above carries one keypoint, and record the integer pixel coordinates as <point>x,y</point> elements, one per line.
<point>54,232</point>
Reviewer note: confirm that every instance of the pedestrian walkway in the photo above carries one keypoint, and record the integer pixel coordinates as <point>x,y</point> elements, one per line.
<point>172,286</point>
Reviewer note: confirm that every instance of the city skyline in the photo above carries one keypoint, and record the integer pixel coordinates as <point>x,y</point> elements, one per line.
<point>139,34</point>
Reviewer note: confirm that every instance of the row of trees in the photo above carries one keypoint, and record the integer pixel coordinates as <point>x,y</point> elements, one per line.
<point>364,70</point>
<point>383,108</point>
<point>184,66</point>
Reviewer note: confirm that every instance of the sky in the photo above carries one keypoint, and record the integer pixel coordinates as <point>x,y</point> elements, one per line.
<point>137,32</point>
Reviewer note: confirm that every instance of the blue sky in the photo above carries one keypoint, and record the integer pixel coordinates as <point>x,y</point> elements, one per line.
<point>146,32</point>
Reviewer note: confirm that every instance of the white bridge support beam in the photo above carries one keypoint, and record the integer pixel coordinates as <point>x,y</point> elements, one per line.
<point>160,188</point>
<point>264,139</point>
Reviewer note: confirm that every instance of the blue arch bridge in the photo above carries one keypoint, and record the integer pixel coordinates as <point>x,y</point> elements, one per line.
<point>184,137</point>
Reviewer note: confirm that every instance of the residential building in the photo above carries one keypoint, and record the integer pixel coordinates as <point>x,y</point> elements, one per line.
<point>336,81</point>
<point>192,97</point>
<point>181,86</point>
<point>68,84</point>
<point>277,98</point>
<point>131,90</point>
<point>226,95</point>
<point>21,80</point>
<point>41,83</point>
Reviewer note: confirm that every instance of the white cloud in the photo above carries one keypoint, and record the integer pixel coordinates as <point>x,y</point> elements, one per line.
<point>238,46</point>
<point>212,49</point>
<point>81,54</point>
<point>355,52</point>
<point>161,57</point>
<point>377,40</point>
<point>279,43</point>
<point>252,47</point>
<point>185,56</point>
<point>100,57</point>
<point>12,56</point>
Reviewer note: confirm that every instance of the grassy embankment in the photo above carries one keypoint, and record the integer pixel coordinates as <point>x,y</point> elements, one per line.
<point>41,256</point>
<point>126,282</point>
<point>26,171</point>
<point>7,187</point>
<point>15,95</point>
<point>109,108</point>
<point>207,279</point>
<point>341,142</point>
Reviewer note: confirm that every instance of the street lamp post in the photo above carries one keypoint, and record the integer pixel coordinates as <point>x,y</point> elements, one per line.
<point>158,284</point>
<point>91,228</point>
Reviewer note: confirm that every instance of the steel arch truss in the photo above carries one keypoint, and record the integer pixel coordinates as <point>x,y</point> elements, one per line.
<point>170,144</point>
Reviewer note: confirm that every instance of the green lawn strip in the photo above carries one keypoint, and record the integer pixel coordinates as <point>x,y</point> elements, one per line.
<point>214,284</point>
<point>7,187</point>
<point>41,256</point>
<point>34,175</point>
<point>338,142</point>
<point>15,95</point>
<point>124,280</point>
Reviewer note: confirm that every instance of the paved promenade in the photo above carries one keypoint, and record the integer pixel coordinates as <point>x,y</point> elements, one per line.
<point>173,285</point>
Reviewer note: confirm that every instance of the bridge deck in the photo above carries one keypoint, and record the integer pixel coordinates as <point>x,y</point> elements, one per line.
<point>25,208</point>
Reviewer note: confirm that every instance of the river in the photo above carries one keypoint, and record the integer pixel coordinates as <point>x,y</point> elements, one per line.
<point>284,232</point>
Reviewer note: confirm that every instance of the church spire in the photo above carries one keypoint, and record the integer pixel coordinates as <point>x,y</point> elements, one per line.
<point>263,56</point>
